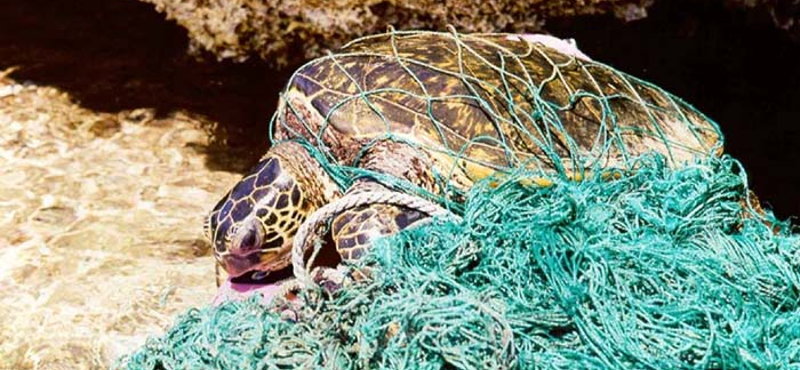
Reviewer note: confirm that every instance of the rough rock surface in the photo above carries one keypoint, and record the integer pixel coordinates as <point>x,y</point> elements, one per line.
<point>289,31</point>
<point>100,227</point>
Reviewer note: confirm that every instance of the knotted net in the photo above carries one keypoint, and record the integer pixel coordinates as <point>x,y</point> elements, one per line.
<point>600,229</point>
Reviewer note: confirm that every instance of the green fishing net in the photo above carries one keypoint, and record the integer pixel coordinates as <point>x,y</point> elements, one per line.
<point>657,269</point>
<point>624,258</point>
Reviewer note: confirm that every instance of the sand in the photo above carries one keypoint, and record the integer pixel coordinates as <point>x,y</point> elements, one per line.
<point>100,227</point>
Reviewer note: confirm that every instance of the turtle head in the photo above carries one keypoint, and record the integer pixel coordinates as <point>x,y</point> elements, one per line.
<point>251,228</point>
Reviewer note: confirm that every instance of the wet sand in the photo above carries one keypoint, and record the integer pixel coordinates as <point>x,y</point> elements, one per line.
<point>100,227</point>
<point>114,143</point>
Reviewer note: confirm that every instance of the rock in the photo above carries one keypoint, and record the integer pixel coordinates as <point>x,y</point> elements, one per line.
<point>288,32</point>
<point>285,33</point>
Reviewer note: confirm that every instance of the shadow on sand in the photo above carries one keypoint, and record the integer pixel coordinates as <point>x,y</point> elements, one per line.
<point>118,55</point>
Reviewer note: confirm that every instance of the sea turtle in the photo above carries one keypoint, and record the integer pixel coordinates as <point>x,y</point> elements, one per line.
<point>440,111</point>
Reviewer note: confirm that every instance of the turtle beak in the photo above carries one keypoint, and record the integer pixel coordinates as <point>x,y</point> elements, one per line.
<point>238,264</point>
<point>248,239</point>
<point>249,252</point>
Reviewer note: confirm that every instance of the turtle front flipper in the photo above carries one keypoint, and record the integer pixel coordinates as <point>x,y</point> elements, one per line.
<point>355,229</point>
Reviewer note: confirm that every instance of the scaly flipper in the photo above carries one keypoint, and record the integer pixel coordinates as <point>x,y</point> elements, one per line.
<point>354,230</point>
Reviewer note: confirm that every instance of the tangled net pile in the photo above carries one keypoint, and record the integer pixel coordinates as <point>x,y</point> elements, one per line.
<point>645,265</point>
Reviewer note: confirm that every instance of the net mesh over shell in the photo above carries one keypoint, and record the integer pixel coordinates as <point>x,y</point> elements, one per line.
<point>478,104</point>
<point>622,259</point>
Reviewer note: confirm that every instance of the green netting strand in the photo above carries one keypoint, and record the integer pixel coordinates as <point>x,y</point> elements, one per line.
<point>659,268</point>
<point>482,103</point>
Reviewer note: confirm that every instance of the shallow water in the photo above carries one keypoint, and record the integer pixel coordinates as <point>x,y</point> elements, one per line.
<point>100,227</point>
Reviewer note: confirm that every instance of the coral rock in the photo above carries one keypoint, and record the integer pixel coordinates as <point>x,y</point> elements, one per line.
<point>287,32</point>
